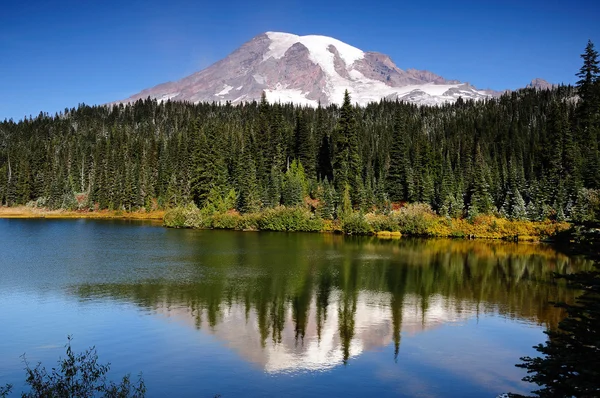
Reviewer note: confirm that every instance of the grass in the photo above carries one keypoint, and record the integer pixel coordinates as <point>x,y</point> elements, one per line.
<point>29,212</point>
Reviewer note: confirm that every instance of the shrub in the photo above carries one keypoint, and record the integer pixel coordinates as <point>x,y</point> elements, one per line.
<point>414,218</point>
<point>188,216</point>
<point>249,222</point>
<point>355,224</point>
<point>77,375</point>
<point>381,222</point>
<point>229,220</point>
<point>195,218</point>
<point>174,218</point>
<point>38,203</point>
<point>283,218</point>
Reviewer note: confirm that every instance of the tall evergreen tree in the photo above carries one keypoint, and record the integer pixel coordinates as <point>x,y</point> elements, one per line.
<point>588,88</point>
<point>304,145</point>
<point>589,73</point>
<point>396,177</point>
<point>346,165</point>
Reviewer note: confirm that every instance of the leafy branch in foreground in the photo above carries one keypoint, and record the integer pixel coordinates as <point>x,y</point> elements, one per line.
<point>77,375</point>
<point>4,391</point>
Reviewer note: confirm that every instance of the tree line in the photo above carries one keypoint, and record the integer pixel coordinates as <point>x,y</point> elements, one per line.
<point>529,154</point>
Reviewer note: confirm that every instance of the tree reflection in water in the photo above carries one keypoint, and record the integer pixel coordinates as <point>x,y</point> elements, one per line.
<point>334,301</point>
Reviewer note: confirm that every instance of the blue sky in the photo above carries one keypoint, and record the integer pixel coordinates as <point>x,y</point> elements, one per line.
<point>57,54</point>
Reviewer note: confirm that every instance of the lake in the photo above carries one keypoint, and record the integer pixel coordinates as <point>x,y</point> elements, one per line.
<point>251,314</point>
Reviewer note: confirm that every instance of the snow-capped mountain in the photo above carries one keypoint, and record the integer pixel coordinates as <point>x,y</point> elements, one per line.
<point>306,70</point>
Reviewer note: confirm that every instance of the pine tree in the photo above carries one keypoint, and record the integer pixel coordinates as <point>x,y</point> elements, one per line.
<point>588,74</point>
<point>481,201</point>
<point>304,146</point>
<point>588,88</point>
<point>295,186</point>
<point>327,200</point>
<point>249,197</point>
<point>396,177</point>
<point>346,165</point>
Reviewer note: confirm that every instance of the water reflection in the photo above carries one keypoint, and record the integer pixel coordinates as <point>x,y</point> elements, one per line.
<point>292,303</point>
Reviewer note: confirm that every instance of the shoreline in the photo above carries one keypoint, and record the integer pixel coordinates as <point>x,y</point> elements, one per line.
<point>24,212</point>
<point>468,232</point>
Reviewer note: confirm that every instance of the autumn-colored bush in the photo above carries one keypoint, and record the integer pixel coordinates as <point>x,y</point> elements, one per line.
<point>414,219</point>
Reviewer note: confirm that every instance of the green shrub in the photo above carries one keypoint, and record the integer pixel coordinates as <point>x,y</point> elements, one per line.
<point>197,219</point>
<point>226,220</point>
<point>381,222</point>
<point>283,218</point>
<point>188,216</point>
<point>174,218</point>
<point>355,224</point>
<point>249,221</point>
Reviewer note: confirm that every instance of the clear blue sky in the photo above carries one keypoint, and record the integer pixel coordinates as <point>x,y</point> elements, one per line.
<point>57,54</point>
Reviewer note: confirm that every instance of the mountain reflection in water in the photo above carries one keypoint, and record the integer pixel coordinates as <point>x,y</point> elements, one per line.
<point>309,303</point>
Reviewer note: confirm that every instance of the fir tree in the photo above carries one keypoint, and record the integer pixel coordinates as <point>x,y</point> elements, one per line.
<point>396,177</point>
<point>304,146</point>
<point>588,75</point>
<point>346,165</point>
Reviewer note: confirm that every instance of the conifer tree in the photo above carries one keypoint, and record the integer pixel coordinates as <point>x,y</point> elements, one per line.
<point>396,177</point>
<point>346,165</point>
<point>295,186</point>
<point>588,88</point>
<point>304,146</point>
<point>481,200</point>
<point>249,197</point>
<point>587,85</point>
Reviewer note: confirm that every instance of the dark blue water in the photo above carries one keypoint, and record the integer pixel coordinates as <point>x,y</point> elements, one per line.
<point>202,313</point>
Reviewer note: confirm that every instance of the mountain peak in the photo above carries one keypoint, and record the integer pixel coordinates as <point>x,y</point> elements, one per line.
<point>318,46</point>
<point>540,84</point>
<point>307,70</point>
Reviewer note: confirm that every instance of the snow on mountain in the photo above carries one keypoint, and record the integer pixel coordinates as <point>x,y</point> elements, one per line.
<point>307,70</point>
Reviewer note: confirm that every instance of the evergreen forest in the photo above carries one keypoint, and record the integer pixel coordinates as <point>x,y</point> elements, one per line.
<point>526,155</point>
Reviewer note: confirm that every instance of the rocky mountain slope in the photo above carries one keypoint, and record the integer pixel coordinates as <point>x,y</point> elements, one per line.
<point>307,70</point>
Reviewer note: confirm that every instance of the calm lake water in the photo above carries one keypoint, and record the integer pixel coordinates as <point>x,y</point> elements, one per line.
<point>202,313</point>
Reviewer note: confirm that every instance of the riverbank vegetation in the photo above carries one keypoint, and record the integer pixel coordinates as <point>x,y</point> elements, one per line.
<point>412,219</point>
<point>521,164</point>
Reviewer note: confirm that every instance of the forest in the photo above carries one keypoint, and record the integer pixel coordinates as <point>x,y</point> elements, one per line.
<point>527,155</point>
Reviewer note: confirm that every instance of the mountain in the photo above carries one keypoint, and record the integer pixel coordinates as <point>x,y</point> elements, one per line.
<point>306,70</point>
<point>540,84</point>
